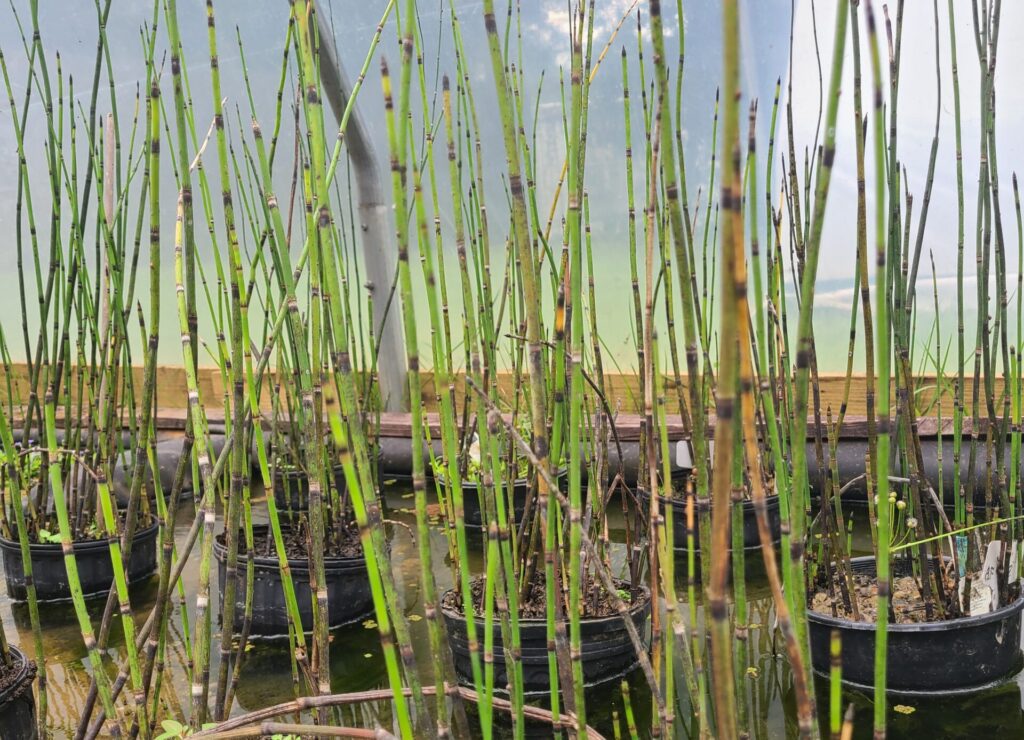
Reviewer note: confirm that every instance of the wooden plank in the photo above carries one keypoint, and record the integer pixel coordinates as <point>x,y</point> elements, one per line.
<point>622,389</point>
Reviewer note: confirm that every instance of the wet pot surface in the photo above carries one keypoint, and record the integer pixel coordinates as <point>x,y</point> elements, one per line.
<point>751,537</point>
<point>348,590</point>
<point>17,705</point>
<point>954,656</point>
<point>608,652</point>
<point>472,513</point>
<point>95,571</point>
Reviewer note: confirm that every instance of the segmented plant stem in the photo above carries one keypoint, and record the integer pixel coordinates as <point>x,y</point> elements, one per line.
<point>881,462</point>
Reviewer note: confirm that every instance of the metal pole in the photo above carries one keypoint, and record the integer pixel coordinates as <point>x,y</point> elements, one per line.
<point>379,257</point>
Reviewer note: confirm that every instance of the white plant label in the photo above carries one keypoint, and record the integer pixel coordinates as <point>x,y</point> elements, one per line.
<point>985,588</point>
<point>990,572</point>
<point>682,454</point>
<point>981,599</point>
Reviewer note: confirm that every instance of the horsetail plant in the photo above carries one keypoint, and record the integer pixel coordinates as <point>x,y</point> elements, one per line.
<point>294,342</point>
<point>398,142</point>
<point>881,461</point>
<point>343,377</point>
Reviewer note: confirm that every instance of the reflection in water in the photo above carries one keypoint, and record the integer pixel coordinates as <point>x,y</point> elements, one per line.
<point>996,713</point>
<point>356,663</point>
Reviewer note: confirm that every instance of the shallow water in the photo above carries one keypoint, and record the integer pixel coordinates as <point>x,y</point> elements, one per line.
<point>357,663</point>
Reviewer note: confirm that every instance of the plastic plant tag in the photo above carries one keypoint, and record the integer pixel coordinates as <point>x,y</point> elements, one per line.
<point>961,553</point>
<point>990,571</point>
<point>984,587</point>
<point>683,454</point>
<point>981,598</point>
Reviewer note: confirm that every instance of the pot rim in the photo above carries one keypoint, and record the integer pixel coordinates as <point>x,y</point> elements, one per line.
<point>443,479</point>
<point>301,473</point>
<point>925,693</point>
<point>634,610</point>
<point>220,550</point>
<point>81,546</point>
<point>945,625</point>
<point>747,503</point>
<point>26,674</point>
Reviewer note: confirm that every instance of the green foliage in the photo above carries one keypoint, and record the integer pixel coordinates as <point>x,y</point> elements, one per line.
<point>474,468</point>
<point>173,729</point>
<point>48,537</point>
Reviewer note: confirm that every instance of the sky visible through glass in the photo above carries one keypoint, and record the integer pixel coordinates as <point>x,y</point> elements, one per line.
<point>71,30</point>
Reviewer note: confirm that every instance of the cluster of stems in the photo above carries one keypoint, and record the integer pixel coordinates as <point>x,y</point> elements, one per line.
<point>525,433</point>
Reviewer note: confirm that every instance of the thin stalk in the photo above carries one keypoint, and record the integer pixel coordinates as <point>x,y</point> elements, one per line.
<point>804,355</point>
<point>236,379</point>
<point>397,142</point>
<point>576,155</point>
<point>881,461</point>
<point>531,297</point>
<point>367,509</point>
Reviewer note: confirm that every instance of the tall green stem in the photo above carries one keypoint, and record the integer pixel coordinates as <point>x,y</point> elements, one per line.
<point>881,464</point>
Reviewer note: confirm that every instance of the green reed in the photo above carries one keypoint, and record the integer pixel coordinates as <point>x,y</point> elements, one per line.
<point>89,330</point>
<point>397,140</point>
<point>13,463</point>
<point>367,511</point>
<point>324,372</point>
<point>881,460</point>
<point>522,244</point>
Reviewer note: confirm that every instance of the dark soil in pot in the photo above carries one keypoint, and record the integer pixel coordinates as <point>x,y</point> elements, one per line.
<point>95,571</point>
<point>608,652</point>
<point>751,537</point>
<point>17,704</point>
<point>952,656</point>
<point>348,587</point>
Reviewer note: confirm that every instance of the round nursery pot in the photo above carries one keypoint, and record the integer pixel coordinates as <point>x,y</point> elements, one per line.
<point>95,571</point>
<point>751,537</point>
<point>348,590</point>
<point>472,513</point>
<point>608,652</point>
<point>949,657</point>
<point>17,704</point>
<point>291,489</point>
<point>849,460</point>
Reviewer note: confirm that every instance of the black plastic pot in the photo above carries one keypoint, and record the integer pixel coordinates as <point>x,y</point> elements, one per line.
<point>751,537</point>
<point>95,571</point>
<point>950,657</point>
<point>472,512</point>
<point>17,704</point>
<point>291,489</point>
<point>608,652</point>
<point>348,591</point>
<point>850,456</point>
<point>168,453</point>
